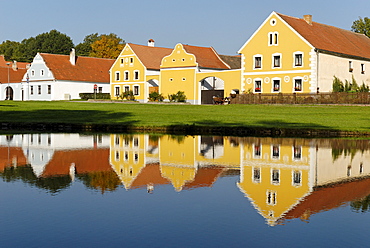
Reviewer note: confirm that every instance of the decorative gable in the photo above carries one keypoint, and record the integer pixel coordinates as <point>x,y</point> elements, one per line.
<point>179,58</point>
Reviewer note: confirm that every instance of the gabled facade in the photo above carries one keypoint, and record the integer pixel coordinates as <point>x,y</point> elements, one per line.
<point>293,55</point>
<point>137,69</point>
<point>62,77</point>
<point>197,71</point>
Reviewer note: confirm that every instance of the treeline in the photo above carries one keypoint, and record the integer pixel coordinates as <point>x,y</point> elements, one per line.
<point>93,45</point>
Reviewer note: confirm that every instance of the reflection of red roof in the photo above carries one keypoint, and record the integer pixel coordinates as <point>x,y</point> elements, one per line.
<point>329,38</point>
<point>324,199</point>
<point>151,57</point>
<point>86,69</point>
<point>13,154</point>
<point>206,57</point>
<point>89,160</point>
<point>150,174</point>
<point>205,177</point>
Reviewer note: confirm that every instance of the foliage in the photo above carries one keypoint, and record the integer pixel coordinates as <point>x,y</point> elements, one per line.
<point>51,42</point>
<point>362,205</point>
<point>363,88</point>
<point>362,25</point>
<point>352,86</point>
<point>101,180</point>
<point>337,85</point>
<point>178,97</point>
<point>87,96</point>
<point>155,97</point>
<point>128,95</point>
<point>107,46</point>
<point>84,48</point>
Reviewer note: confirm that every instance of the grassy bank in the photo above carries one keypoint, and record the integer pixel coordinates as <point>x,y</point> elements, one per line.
<point>293,117</point>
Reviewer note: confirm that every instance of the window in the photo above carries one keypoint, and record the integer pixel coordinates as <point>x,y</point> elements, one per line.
<point>136,90</point>
<point>100,89</point>
<point>257,151</point>
<point>257,175</point>
<point>275,177</point>
<point>33,73</point>
<point>276,38</point>
<point>136,142</point>
<point>42,72</point>
<point>297,178</point>
<point>258,86</point>
<point>361,168</point>
<point>127,88</point>
<point>276,85</point>
<point>117,75</point>
<point>117,156</point>
<point>271,35</point>
<point>49,89</point>
<point>273,38</point>
<point>126,75</point>
<point>39,89</point>
<point>297,84</point>
<point>136,157</point>
<point>276,61</point>
<point>297,152</point>
<point>122,61</point>
<point>362,68</point>
<point>31,89</point>
<point>116,140</point>
<point>275,151</point>
<point>127,142</point>
<point>271,197</point>
<point>257,62</point>
<point>131,60</point>
<point>136,75</point>
<point>350,66</point>
<point>117,91</point>
<point>126,156</point>
<point>298,59</point>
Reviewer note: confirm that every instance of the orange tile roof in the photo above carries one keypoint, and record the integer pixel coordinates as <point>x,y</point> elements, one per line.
<point>205,177</point>
<point>20,65</point>
<point>88,160</point>
<point>14,76</point>
<point>206,57</point>
<point>7,156</point>
<point>151,57</point>
<point>329,38</point>
<point>327,198</point>
<point>150,174</point>
<point>87,69</point>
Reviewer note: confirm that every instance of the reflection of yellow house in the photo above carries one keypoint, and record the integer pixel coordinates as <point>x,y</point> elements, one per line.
<point>275,175</point>
<point>136,69</point>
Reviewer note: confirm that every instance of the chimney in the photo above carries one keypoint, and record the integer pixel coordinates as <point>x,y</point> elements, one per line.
<point>308,19</point>
<point>15,66</point>
<point>151,43</point>
<point>72,57</point>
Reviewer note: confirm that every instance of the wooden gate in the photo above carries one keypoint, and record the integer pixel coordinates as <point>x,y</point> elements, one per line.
<point>207,95</point>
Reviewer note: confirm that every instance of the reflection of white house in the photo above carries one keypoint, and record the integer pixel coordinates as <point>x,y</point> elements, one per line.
<point>62,77</point>
<point>39,149</point>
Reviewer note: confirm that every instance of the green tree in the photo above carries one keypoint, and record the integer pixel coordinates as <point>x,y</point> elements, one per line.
<point>362,25</point>
<point>11,50</point>
<point>84,48</point>
<point>108,46</point>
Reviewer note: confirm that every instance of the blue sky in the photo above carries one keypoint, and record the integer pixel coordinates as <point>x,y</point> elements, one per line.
<point>222,24</point>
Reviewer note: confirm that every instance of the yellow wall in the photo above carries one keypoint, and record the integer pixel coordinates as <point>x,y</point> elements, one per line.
<point>127,61</point>
<point>288,43</point>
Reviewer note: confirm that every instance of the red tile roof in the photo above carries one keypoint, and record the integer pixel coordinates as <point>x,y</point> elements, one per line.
<point>151,57</point>
<point>87,69</point>
<point>327,198</point>
<point>205,177</point>
<point>149,175</point>
<point>88,160</point>
<point>20,65</point>
<point>329,38</point>
<point>206,57</point>
<point>8,155</point>
<point>14,76</point>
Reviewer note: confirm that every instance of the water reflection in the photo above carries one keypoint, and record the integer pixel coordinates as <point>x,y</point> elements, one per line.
<point>283,178</point>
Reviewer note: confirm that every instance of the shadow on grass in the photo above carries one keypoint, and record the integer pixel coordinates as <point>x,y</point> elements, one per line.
<point>67,116</point>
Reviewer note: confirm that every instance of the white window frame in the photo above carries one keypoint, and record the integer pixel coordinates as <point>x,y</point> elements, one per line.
<point>254,149</point>
<point>300,176</point>
<point>136,75</point>
<point>293,154</point>
<point>42,72</point>
<point>273,38</point>
<point>117,76</point>
<point>117,91</point>
<point>294,86</point>
<point>273,85</point>
<point>272,176</point>
<point>126,88</point>
<point>259,180</point>
<point>362,68</point>
<point>49,89</point>
<point>272,194</point>
<point>294,60</point>
<point>280,61</point>
<point>39,89</point>
<point>32,73</point>
<point>126,76</point>
<point>138,90</point>
<point>254,85</point>
<point>350,64</point>
<point>272,152</point>
<point>254,61</point>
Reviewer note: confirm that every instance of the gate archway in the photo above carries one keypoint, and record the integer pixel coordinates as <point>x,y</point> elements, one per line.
<point>9,93</point>
<point>211,87</point>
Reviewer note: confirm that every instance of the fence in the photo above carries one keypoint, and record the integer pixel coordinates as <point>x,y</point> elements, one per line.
<point>302,98</point>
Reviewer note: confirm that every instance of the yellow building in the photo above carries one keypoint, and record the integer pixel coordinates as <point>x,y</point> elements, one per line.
<point>137,69</point>
<point>200,72</point>
<point>293,55</point>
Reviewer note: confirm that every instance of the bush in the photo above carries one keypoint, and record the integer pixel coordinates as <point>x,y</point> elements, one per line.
<point>178,97</point>
<point>155,97</point>
<point>87,96</point>
<point>128,95</point>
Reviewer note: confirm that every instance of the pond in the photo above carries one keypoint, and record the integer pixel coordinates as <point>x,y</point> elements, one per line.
<point>120,190</point>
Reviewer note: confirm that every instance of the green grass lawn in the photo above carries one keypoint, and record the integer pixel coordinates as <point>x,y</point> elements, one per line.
<point>346,118</point>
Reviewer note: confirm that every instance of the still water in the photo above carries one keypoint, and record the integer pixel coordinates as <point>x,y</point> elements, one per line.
<point>74,190</point>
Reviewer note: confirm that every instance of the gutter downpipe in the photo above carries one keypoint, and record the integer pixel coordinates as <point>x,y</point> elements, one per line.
<point>317,71</point>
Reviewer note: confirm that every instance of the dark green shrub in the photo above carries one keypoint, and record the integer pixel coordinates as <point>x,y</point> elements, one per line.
<point>155,97</point>
<point>178,97</point>
<point>87,96</point>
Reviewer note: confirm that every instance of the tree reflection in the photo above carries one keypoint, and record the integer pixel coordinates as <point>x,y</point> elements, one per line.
<point>362,205</point>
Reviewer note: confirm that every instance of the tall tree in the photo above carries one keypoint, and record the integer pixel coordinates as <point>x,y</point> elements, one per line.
<point>84,48</point>
<point>108,46</point>
<point>362,25</point>
<point>11,50</point>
